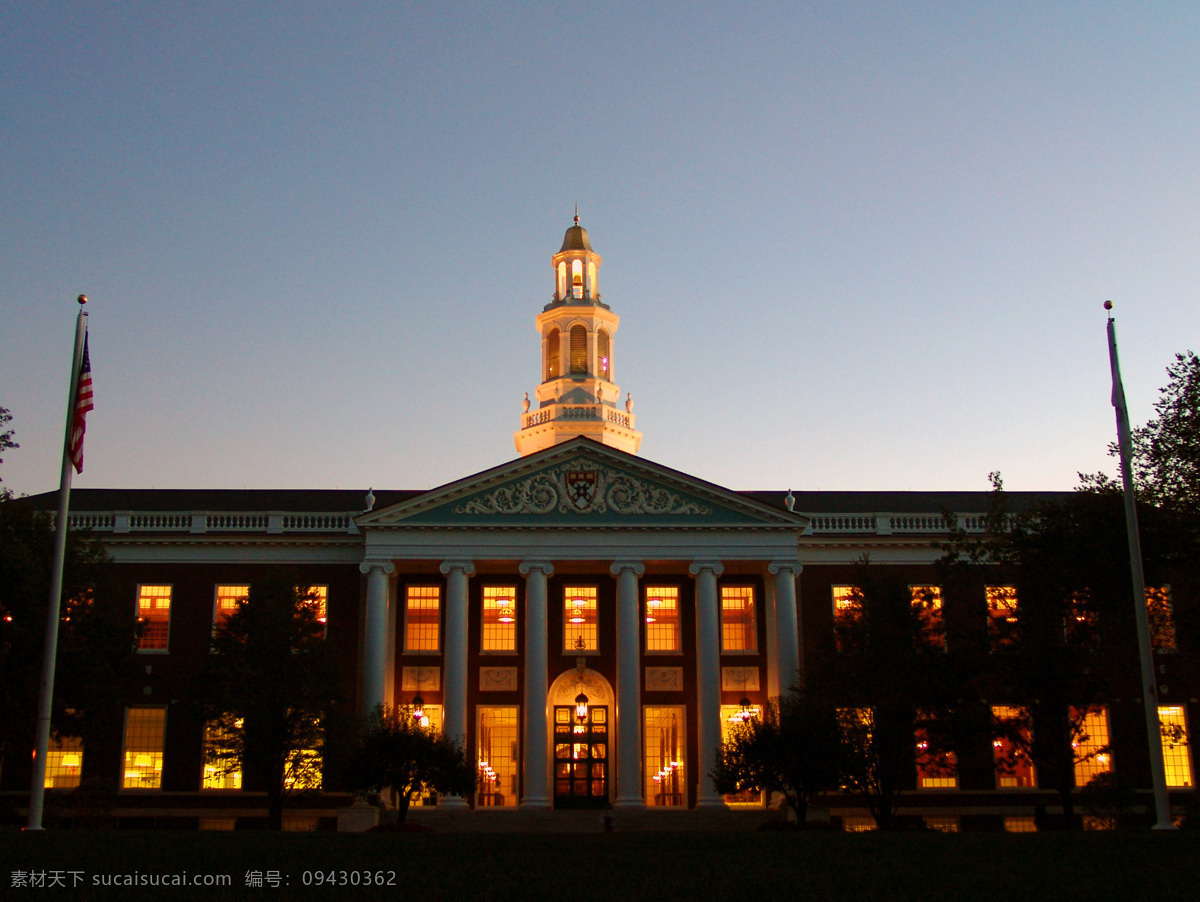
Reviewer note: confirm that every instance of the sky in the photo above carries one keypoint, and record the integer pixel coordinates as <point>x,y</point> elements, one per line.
<point>853,245</point>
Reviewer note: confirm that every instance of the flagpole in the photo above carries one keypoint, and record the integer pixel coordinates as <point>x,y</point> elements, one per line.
<point>37,785</point>
<point>1162,804</point>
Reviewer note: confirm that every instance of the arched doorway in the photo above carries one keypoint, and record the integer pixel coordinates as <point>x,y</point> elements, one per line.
<point>582,739</point>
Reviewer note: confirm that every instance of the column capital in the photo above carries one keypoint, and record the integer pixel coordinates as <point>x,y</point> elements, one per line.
<point>467,567</point>
<point>528,567</point>
<point>777,567</point>
<point>386,566</point>
<point>636,566</point>
<point>698,567</point>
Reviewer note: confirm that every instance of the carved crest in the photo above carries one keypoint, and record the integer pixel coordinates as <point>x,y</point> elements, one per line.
<point>581,488</point>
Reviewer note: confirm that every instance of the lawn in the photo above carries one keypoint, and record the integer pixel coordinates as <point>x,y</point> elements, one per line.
<point>616,866</point>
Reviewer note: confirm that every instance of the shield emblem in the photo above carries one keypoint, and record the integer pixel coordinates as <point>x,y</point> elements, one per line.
<point>581,488</point>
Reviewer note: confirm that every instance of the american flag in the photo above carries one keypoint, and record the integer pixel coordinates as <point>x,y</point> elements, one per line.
<point>83,403</point>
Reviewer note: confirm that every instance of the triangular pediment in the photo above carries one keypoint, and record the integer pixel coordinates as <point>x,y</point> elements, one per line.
<point>581,483</point>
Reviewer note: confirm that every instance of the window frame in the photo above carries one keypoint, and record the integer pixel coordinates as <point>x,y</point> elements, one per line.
<point>569,594</point>
<point>408,650</point>
<point>750,613</point>
<point>647,594</point>
<point>932,618</point>
<point>125,750</point>
<point>137,613</point>
<point>511,589</point>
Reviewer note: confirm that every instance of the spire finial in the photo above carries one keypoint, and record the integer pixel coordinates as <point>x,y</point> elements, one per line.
<point>576,212</point>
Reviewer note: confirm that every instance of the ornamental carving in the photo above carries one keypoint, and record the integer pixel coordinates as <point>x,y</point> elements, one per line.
<point>497,679</point>
<point>739,679</point>
<point>583,488</point>
<point>417,679</point>
<point>664,679</point>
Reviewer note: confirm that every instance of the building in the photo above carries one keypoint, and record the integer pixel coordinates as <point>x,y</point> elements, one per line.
<point>587,621</point>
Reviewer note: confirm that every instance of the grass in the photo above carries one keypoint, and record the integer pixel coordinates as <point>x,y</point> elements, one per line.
<point>628,866</point>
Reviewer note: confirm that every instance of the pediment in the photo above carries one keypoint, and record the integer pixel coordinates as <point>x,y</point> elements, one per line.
<point>581,483</point>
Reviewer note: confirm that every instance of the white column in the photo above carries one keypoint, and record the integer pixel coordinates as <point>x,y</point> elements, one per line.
<point>708,677</point>
<point>454,685</point>
<point>375,638</point>
<point>629,685</point>
<point>787,636</point>
<point>535,771</point>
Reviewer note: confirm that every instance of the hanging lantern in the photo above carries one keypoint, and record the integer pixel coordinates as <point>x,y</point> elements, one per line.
<point>506,611</point>
<point>418,708</point>
<point>581,707</point>
<point>577,611</point>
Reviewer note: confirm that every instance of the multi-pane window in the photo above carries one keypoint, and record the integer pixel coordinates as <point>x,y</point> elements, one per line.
<point>64,762</point>
<point>553,367</point>
<point>1090,744</point>
<point>422,617</point>
<point>303,769</point>
<point>221,770</point>
<point>578,350</point>
<point>499,620</point>
<point>665,745</point>
<point>227,601</point>
<point>1010,748</point>
<point>927,606</point>
<point>733,717</point>
<point>1177,761</point>
<point>154,615</point>
<point>1162,621</point>
<point>848,617</point>
<point>662,619</point>
<point>317,598</point>
<point>145,729</point>
<point>739,628</point>
<point>936,767</point>
<point>580,627</point>
<point>1002,616</point>
<point>497,762</point>
<point>604,354</point>
<point>577,278</point>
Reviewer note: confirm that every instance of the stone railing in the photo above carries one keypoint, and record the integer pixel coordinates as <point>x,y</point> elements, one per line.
<point>576,412</point>
<point>880,524</point>
<point>199,522</point>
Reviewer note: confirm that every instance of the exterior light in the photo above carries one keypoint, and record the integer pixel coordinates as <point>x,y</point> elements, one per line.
<point>581,707</point>
<point>418,708</point>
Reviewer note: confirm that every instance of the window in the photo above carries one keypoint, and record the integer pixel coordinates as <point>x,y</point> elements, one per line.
<point>578,350</point>
<point>941,824</point>
<point>1020,824</point>
<point>936,768</point>
<point>1090,744</point>
<point>927,605</point>
<point>154,615</point>
<point>422,618</point>
<point>859,824</point>
<point>497,763</point>
<point>1172,722</point>
<point>303,769</point>
<point>227,601</point>
<point>604,353</point>
<point>1010,748</point>
<point>665,740</point>
<point>662,619</point>
<point>1162,622</point>
<point>591,282</point>
<point>848,618</point>
<point>580,633</point>
<point>1002,617</point>
<point>577,278</point>
<point>317,598</point>
<point>221,769</point>
<point>145,729</point>
<point>561,282</point>
<point>739,628</point>
<point>553,368</point>
<point>1079,621</point>
<point>499,620</point>
<point>64,761</point>
<point>732,718</point>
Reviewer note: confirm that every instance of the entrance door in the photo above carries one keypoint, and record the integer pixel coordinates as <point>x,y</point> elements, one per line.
<point>580,757</point>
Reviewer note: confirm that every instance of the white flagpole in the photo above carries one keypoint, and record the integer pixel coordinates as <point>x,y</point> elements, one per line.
<point>1162,804</point>
<point>37,785</point>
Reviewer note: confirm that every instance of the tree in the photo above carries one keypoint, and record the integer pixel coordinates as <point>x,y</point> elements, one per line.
<point>400,754</point>
<point>96,633</point>
<point>1166,451</point>
<point>267,690</point>
<point>6,442</point>
<point>793,749</point>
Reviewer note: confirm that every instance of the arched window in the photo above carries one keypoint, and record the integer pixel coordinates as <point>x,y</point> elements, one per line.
<point>578,349</point>
<point>577,278</point>
<point>591,282</point>
<point>603,355</point>
<point>561,288</point>
<point>553,369</point>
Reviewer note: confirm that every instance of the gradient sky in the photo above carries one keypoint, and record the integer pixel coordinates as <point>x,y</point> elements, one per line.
<point>853,245</point>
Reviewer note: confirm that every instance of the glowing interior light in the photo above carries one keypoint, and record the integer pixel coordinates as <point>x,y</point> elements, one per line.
<point>506,611</point>
<point>577,612</point>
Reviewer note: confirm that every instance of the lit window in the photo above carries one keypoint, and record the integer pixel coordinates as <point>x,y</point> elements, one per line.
<point>662,619</point>
<point>422,618</point>
<point>1177,763</point>
<point>604,352</point>
<point>848,617</point>
<point>64,761</point>
<point>553,369</point>
<point>1020,824</point>
<point>578,350</point>
<point>1162,622</point>
<point>1090,744</point>
<point>591,282</point>
<point>577,278</point>
<point>942,824</point>
<point>561,283</point>
<point>665,743</point>
<point>1079,621</point>
<point>580,618</point>
<point>218,760</point>
<point>1002,616</point>
<point>1010,748</point>
<point>739,627</point>
<point>317,598</point>
<point>936,768</point>
<point>497,762</point>
<point>145,729</point>
<point>733,717</point>
<point>859,824</point>
<point>499,619</point>
<point>228,599</point>
<point>927,605</point>
<point>431,717</point>
<point>154,615</point>
<point>298,824</point>
<point>303,769</point>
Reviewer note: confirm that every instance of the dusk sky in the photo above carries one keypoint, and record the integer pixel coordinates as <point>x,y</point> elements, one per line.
<point>853,245</point>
